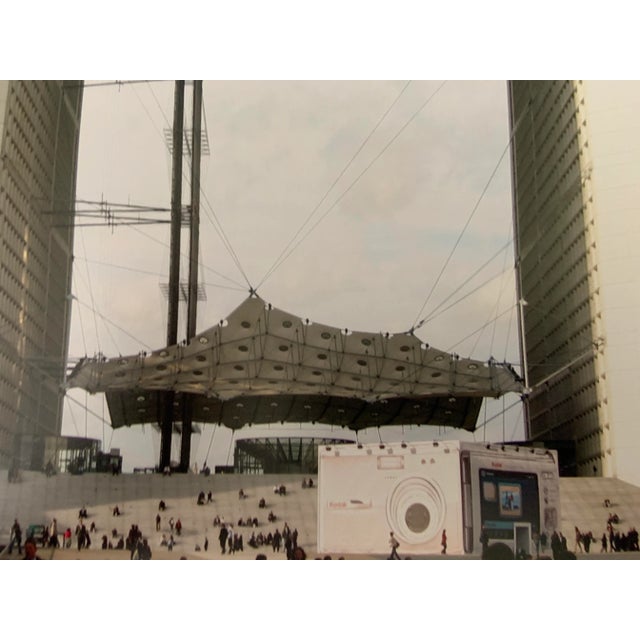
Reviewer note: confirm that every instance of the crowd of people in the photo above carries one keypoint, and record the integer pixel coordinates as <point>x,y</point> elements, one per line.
<point>280,540</point>
<point>231,541</point>
<point>285,541</point>
<point>611,541</point>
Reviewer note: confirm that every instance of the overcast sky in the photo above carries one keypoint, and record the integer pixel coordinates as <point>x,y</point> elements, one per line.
<point>430,176</point>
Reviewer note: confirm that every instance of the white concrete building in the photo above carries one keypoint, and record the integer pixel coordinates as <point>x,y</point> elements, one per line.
<point>39,130</point>
<point>576,186</point>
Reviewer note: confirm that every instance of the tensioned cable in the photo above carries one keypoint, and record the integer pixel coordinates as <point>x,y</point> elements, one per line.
<point>211,214</point>
<point>502,289</point>
<point>434,313</point>
<point>344,193</point>
<point>147,111</point>
<point>216,225</point>
<point>516,422</point>
<point>154,273</point>
<point>84,304</point>
<point>464,228</point>
<point>508,338</point>
<point>84,340</point>
<point>473,211</point>
<point>480,328</point>
<point>213,431</point>
<point>164,244</point>
<point>111,83</point>
<point>433,316</point>
<point>73,418</point>
<point>333,184</point>
<point>84,408</point>
<point>497,415</point>
<point>231,441</point>
<point>95,312</point>
<point>93,304</point>
<point>494,323</point>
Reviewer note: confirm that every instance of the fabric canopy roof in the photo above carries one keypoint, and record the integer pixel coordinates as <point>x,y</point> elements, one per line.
<point>263,365</point>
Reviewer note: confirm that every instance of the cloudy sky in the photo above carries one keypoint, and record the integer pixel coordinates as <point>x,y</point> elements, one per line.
<point>404,189</point>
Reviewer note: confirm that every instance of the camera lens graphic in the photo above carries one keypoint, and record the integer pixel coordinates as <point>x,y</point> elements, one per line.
<point>417,518</point>
<point>416,510</point>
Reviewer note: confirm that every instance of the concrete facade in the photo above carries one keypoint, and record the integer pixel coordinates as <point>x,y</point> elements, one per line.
<point>39,133</point>
<point>575,161</point>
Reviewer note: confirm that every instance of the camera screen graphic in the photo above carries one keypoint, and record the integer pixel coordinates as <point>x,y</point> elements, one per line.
<point>507,497</point>
<point>510,500</point>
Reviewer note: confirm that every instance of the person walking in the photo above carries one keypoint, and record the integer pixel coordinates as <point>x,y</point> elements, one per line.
<point>394,544</point>
<point>16,537</point>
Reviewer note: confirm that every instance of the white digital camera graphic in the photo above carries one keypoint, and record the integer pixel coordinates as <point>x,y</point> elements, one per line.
<point>371,491</point>
<point>434,496</point>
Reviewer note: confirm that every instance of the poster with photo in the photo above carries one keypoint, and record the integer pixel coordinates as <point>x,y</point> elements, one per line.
<point>510,500</point>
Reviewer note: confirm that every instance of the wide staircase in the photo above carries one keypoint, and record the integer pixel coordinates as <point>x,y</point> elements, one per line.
<point>36,499</point>
<point>583,506</point>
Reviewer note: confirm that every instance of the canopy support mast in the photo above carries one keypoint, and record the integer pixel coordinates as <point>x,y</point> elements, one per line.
<point>174,266</point>
<point>194,237</point>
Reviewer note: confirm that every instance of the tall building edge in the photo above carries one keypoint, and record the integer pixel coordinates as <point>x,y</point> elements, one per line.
<point>575,161</point>
<point>39,138</point>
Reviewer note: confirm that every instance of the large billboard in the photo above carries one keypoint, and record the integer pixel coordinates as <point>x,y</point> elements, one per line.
<point>420,491</point>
